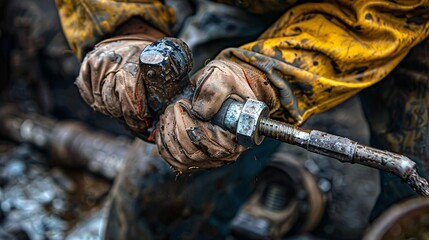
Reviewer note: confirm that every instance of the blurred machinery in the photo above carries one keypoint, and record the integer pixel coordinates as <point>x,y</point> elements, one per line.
<point>70,143</point>
<point>40,200</point>
<point>406,220</point>
<point>286,200</point>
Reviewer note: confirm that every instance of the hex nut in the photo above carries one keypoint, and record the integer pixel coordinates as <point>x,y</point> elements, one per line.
<point>248,123</point>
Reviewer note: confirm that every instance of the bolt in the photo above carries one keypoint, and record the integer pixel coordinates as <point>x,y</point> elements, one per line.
<point>252,123</point>
<point>275,198</point>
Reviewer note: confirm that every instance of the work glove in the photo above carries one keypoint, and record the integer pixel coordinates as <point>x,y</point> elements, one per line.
<point>185,136</point>
<point>108,78</point>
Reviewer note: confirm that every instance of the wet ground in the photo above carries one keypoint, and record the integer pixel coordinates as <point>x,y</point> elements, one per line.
<point>42,201</point>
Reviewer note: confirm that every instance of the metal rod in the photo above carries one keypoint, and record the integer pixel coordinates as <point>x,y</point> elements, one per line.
<point>346,150</point>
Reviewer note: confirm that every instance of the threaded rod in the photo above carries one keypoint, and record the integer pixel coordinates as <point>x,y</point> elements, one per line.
<point>345,150</point>
<point>275,198</point>
<point>283,132</point>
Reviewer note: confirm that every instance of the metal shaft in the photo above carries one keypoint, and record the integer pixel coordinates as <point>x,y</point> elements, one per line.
<point>346,150</point>
<point>168,60</point>
<point>69,143</point>
<point>160,63</point>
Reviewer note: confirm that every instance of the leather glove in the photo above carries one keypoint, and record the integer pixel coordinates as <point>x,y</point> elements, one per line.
<point>108,78</point>
<point>186,138</point>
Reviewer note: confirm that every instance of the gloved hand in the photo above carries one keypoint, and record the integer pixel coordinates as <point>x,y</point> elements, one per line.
<point>186,138</point>
<point>108,78</point>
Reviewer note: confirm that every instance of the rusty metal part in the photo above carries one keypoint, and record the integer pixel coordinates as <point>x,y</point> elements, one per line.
<point>405,220</point>
<point>286,201</point>
<point>242,120</point>
<point>99,152</point>
<point>69,142</point>
<point>340,148</point>
<point>164,67</point>
<point>247,126</point>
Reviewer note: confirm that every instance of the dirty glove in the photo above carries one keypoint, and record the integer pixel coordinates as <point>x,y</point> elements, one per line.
<point>108,76</point>
<point>223,79</point>
<point>188,143</point>
<point>186,138</point>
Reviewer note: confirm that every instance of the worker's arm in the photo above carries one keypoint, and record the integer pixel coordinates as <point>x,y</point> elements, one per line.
<point>319,54</point>
<point>86,22</point>
<point>108,36</point>
<point>314,57</point>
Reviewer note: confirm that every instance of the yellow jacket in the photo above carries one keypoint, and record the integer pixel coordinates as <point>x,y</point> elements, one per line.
<point>316,55</point>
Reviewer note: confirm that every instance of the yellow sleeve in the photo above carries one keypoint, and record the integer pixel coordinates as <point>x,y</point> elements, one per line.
<point>86,22</point>
<point>317,55</point>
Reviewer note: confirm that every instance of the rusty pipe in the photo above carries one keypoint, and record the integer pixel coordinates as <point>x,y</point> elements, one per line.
<point>164,67</point>
<point>70,143</point>
<point>250,122</point>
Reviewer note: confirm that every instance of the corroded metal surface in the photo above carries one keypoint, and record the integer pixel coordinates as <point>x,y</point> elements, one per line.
<point>228,114</point>
<point>242,119</point>
<point>417,183</point>
<point>164,68</point>
<point>248,122</point>
<point>349,151</point>
<point>337,147</point>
